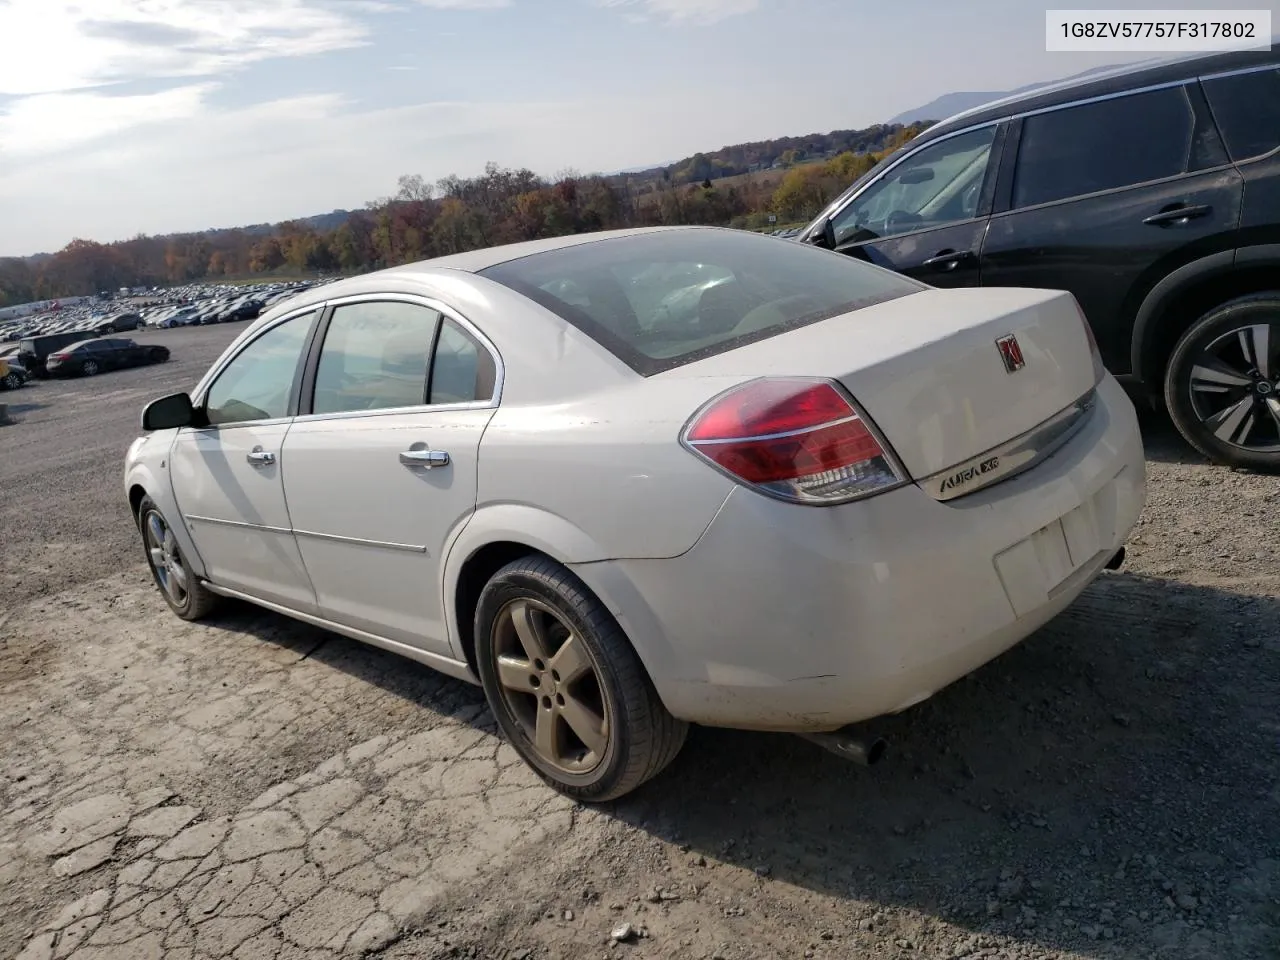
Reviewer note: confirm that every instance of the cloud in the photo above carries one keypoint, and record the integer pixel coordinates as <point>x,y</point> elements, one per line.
<point>52,47</point>
<point>54,121</point>
<point>701,12</point>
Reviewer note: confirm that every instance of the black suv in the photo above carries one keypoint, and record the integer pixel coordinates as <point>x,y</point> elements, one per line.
<point>34,351</point>
<point>1151,194</point>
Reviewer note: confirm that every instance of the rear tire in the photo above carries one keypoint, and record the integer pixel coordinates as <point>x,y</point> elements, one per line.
<point>1222,384</point>
<point>581,674</point>
<point>89,368</point>
<point>181,588</point>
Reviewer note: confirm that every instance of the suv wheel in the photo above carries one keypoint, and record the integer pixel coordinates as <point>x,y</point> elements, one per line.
<point>1222,385</point>
<point>565,686</point>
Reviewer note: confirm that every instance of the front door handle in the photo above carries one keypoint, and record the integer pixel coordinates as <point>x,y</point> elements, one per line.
<point>948,259</point>
<point>424,458</point>
<point>1177,215</point>
<point>260,458</point>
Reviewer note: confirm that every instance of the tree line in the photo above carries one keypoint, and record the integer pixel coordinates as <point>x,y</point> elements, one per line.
<point>423,220</point>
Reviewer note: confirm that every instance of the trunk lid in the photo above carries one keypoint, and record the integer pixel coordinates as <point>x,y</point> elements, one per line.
<point>930,371</point>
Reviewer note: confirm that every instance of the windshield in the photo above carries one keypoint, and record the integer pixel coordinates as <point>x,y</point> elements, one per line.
<point>660,300</point>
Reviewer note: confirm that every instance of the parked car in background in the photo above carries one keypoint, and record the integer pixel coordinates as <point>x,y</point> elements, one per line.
<point>120,323</point>
<point>90,357</point>
<point>12,374</point>
<point>33,352</point>
<point>1151,193</point>
<point>821,497</point>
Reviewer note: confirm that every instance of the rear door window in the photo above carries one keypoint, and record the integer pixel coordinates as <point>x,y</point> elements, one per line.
<point>1104,146</point>
<point>1247,109</point>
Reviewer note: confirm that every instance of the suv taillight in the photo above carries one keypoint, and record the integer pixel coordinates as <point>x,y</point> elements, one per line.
<point>796,439</point>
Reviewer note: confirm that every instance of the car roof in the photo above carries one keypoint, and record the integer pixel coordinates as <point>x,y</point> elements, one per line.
<point>1148,73</point>
<point>473,261</point>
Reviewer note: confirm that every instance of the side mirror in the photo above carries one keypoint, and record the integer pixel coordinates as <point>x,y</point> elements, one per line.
<point>168,412</point>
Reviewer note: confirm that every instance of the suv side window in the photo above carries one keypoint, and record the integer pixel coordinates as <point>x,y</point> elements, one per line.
<point>1247,108</point>
<point>1104,145</point>
<point>375,357</point>
<point>939,184</point>
<point>257,383</point>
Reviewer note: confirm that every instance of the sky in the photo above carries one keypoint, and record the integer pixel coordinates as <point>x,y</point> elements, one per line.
<point>120,117</point>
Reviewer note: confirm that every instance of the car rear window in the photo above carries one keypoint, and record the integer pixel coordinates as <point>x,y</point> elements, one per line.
<point>663,299</point>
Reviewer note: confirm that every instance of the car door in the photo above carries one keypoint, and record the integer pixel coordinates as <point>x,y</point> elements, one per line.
<point>1106,198</point>
<point>228,476</point>
<point>926,215</point>
<point>382,461</point>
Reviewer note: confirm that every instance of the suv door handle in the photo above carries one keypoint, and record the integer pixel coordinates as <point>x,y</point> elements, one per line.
<point>260,458</point>
<point>424,458</point>
<point>948,259</point>
<point>1177,215</point>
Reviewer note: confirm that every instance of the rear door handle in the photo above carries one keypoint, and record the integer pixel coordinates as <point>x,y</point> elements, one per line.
<point>948,259</point>
<point>424,458</point>
<point>260,458</point>
<point>1178,215</point>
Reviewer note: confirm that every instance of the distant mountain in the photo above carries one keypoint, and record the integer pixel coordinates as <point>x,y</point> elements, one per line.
<point>950,104</point>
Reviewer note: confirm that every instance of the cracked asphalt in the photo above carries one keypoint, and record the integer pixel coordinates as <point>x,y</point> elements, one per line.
<point>257,788</point>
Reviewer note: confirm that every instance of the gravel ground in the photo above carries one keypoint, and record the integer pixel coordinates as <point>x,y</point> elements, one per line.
<point>256,788</point>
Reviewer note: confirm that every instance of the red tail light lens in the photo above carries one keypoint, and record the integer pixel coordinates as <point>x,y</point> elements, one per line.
<point>796,439</point>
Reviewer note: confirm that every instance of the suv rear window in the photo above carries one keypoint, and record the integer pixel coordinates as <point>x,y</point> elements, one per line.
<point>1104,145</point>
<point>660,300</point>
<point>1247,108</point>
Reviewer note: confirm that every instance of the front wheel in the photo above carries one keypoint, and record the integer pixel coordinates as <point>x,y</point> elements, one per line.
<point>12,382</point>
<point>186,595</point>
<point>1222,385</point>
<point>565,686</point>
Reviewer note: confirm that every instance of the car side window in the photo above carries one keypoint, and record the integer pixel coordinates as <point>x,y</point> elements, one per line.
<point>939,184</point>
<point>1247,109</point>
<point>374,357</point>
<point>462,370</point>
<point>1104,145</point>
<point>257,383</point>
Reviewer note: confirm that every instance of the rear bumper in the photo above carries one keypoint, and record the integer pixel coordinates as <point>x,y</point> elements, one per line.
<point>786,617</point>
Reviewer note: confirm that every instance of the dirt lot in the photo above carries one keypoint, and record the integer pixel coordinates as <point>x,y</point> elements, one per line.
<point>254,788</point>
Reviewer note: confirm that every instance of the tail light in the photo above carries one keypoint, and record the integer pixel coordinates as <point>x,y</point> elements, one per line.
<point>1099,370</point>
<point>796,439</point>
<point>57,356</point>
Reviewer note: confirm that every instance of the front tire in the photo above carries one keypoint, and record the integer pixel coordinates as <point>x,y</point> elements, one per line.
<point>565,685</point>
<point>1222,384</point>
<point>12,382</point>
<point>182,590</point>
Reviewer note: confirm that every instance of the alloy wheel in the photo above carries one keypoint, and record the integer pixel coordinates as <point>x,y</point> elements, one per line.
<point>1235,387</point>
<point>166,558</point>
<point>90,368</point>
<point>12,381</point>
<point>550,687</point>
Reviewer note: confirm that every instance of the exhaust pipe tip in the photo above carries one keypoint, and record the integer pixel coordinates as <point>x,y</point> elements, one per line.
<point>862,750</point>
<point>1117,560</point>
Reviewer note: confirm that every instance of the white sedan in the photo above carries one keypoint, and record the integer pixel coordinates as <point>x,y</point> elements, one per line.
<point>820,497</point>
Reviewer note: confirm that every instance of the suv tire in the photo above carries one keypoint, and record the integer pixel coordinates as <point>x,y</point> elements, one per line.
<point>1222,384</point>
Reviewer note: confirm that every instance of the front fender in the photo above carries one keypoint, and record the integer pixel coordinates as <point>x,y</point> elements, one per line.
<point>153,477</point>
